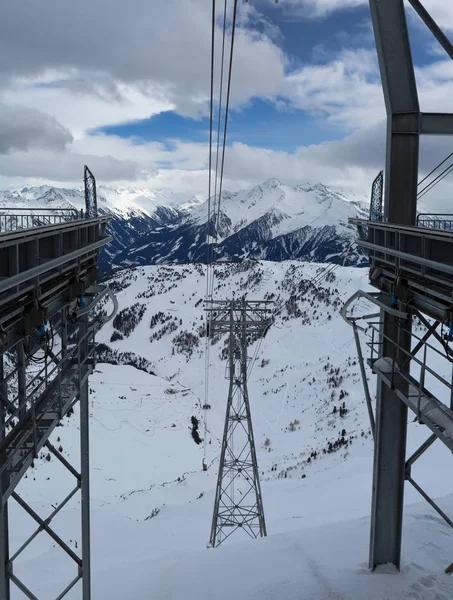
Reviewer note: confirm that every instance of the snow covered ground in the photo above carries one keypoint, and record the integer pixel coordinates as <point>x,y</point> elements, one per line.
<point>152,504</point>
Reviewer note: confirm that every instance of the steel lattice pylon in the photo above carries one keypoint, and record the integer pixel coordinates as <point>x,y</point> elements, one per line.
<point>238,500</point>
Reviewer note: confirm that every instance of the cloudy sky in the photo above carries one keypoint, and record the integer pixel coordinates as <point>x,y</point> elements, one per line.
<point>124,87</point>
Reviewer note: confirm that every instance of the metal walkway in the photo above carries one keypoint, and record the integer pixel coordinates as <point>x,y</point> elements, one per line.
<point>48,323</point>
<point>411,260</point>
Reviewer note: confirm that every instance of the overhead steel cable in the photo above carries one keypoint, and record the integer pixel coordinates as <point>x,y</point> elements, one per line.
<point>435,181</point>
<point>227,106</point>
<point>434,170</point>
<point>208,245</point>
<point>222,62</point>
<point>208,252</point>
<point>218,181</point>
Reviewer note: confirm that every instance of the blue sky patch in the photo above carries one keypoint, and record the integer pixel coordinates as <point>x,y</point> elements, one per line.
<point>261,123</point>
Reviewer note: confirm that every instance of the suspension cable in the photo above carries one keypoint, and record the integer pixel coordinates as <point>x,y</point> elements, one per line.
<point>208,245</point>
<point>210,140</point>
<point>435,169</point>
<point>218,182</point>
<point>435,182</point>
<point>222,62</point>
<point>227,106</point>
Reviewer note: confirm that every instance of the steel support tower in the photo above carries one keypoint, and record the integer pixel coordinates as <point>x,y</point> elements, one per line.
<point>47,352</point>
<point>407,265</point>
<point>238,501</point>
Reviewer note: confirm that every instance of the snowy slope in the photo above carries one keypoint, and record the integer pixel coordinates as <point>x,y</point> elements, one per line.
<point>151,502</point>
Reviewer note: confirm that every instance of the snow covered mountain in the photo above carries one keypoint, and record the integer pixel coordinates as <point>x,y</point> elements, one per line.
<point>272,221</point>
<point>313,444</point>
<point>135,213</point>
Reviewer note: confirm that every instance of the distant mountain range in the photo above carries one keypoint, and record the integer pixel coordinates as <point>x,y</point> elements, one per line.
<point>271,221</point>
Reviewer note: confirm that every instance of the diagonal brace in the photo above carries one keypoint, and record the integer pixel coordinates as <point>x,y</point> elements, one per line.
<point>47,521</point>
<point>433,26</point>
<point>46,528</point>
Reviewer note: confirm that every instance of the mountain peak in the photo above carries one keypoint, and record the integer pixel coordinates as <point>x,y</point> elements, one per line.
<point>271,183</point>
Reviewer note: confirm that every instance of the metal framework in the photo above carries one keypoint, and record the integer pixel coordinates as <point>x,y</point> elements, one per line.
<point>238,501</point>
<point>377,191</point>
<point>12,218</point>
<point>47,291</point>
<point>405,263</point>
<point>91,200</point>
<point>435,221</point>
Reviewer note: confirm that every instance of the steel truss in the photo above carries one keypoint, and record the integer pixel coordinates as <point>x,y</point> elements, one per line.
<point>238,501</point>
<point>47,352</point>
<point>34,400</point>
<point>408,376</point>
<point>408,290</point>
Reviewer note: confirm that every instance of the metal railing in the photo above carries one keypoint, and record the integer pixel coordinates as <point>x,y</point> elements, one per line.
<point>444,222</point>
<point>13,218</point>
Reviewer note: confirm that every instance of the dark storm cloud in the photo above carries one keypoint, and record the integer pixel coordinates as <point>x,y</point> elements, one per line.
<point>163,46</point>
<point>22,128</point>
<point>66,166</point>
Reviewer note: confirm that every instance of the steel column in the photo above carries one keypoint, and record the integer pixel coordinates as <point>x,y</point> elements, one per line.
<point>213,540</point>
<point>85,460</point>
<point>21,380</point>
<point>4,532</point>
<point>251,439</point>
<point>400,206</point>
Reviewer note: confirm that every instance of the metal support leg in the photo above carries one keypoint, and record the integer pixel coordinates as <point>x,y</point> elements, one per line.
<point>4,553</point>
<point>400,206</point>
<point>366,389</point>
<point>389,466</point>
<point>4,533</point>
<point>85,463</point>
<point>21,379</point>
<point>451,391</point>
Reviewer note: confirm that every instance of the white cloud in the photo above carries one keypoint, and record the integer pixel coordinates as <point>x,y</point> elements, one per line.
<point>309,9</point>
<point>65,167</point>
<point>440,10</point>
<point>81,112</point>
<point>151,57</point>
<point>158,50</point>
<point>346,91</point>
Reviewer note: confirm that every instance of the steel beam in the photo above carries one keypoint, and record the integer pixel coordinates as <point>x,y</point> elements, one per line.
<point>84,460</point>
<point>25,276</point>
<point>436,123</point>
<point>422,123</point>
<point>21,380</point>
<point>4,532</point>
<point>394,55</point>
<point>433,27</point>
<point>400,206</point>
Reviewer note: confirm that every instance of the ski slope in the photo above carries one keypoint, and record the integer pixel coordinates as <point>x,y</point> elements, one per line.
<point>152,504</point>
